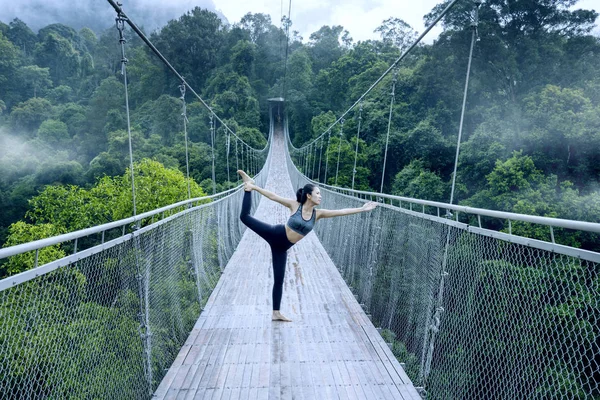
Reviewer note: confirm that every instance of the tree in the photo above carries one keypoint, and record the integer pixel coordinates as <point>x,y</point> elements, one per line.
<point>324,46</point>
<point>58,54</point>
<point>22,232</point>
<point>8,61</point>
<point>242,57</point>
<point>192,43</point>
<point>26,117</point>
<point>54,132</point>
<point>35,78</point>
<point>22,36</point>
<point>415,181</point>
<point>397,32</point>
<point>256,24</point>
<point>563,131</point>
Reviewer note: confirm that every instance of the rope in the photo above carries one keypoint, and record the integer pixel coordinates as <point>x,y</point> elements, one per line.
<point>237,161</point>
<point>142,36</point>
<point>356,150</point>
<point>434,327</point>
<point>227,144</point>
<point>312,173</point>
<point>212,145</point>
<point>121,27</point>
<point>185,121</point>
<point>287,46</point>
<point>464,103</point>
<point>403,56</point>
<point>337,169</point>
<point>326,156</point>
<point>320,157</point>
<point>387,137</point>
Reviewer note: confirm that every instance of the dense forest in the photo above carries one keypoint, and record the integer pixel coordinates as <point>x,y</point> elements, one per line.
<point>530,142</point>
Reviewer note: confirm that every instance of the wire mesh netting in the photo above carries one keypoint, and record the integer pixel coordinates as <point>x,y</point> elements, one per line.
<point>469,315</point>
<point>108,326</point>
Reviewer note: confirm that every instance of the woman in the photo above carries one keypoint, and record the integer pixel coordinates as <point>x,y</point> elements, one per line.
<point>282,237</point>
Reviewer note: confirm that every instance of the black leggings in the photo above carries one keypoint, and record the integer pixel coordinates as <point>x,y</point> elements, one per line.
<point>276,237</point>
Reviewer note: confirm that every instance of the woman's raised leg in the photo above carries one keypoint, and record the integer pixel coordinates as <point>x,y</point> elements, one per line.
<point>263,229</point>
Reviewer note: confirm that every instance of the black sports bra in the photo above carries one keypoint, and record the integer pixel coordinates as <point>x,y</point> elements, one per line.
<point>299,224</point>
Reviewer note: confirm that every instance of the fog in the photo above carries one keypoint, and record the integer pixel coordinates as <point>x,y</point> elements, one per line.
<point>98,15</point>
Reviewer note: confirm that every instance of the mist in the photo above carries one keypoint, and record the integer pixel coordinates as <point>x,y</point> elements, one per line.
<point>99,15</point>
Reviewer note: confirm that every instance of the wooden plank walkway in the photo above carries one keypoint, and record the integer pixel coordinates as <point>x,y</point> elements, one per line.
<point>331,350</point>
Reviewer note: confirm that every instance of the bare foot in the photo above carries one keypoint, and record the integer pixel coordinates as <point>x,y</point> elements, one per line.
<point>245,177</point>
<point>277,316</point>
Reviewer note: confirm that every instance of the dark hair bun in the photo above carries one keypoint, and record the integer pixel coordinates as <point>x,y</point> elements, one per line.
<point>299,195</point>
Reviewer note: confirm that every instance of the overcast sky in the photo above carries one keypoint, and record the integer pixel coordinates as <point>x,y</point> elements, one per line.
<point>359,17</point>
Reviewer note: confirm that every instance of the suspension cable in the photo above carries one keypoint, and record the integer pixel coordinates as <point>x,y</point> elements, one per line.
<point>320,157</point>
<point>237,161</point>
<point>337,169</point>
<point>227,145</point>
<point>357,136</point>
<point>212,145</point>
<point>312,172</point>
<point>434,326</point>
<point>142,36</point>
<point>326,156</point>
<point>185,122</point>
<point>121,18</point>
<point>387,136</point>
<point>287,46</point>
<point>464,103</point>
<point>403,56</point>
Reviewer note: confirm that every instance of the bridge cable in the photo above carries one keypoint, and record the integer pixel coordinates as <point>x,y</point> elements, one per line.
<point>121,27</point>
<point>185,122</point>
<point>320,157</point>
<point>119,10</point>
<point>237,161</point>
<point>357,136</point>
<point>227,146</point>
<point>387,137</point>
<point>326,155</point>
<point>212,145</point>
<point>287,46</point>
<point>464,103</point>
<point>434,327</point>
<point>337,169</point>
<point>314,157</point>
<point>143,279</point>
<point>402,57</point>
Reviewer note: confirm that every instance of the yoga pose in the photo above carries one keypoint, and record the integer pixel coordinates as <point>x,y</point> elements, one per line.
<point>282,237</point>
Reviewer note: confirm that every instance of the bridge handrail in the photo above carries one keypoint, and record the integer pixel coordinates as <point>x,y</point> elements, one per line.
<point>42,243</point>
<point>549,221</point>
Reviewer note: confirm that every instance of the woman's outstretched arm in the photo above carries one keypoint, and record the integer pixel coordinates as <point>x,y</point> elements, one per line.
<point>345,211</point>
<point>289,203</point>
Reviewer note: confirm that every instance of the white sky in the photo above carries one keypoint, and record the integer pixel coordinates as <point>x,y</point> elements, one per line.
<point>359,17</point>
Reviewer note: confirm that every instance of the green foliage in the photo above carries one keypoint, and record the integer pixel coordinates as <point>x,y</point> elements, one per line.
<point>54,132</point>
<point>22,232</point>
<point>26,117</point>
<point>72,208</point>
<point>242,57</point>
<point>58,54</point>
<point>35,78</point>
<point>417,182</point>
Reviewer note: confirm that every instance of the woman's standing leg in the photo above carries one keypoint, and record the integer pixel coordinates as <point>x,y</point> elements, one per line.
<point>279,261</point>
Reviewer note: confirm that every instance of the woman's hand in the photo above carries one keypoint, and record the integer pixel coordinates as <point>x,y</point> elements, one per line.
<point>369,206</point>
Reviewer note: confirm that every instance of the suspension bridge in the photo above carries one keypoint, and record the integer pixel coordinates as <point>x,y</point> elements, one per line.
<point>417,299</point>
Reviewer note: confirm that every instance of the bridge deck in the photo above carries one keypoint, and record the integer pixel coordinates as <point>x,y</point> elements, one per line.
<point>331,350</point>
